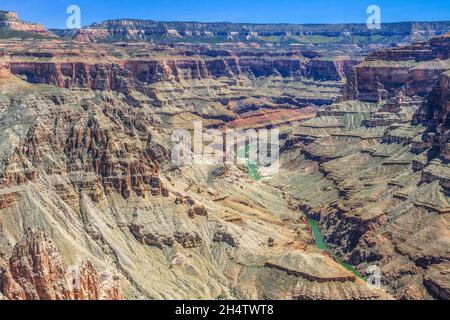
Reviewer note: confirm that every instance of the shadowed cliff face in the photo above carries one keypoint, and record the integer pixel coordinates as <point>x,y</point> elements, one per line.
<point>434,113</point>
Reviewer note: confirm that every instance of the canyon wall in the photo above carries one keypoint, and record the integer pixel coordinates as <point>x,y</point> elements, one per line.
<point>280,34</point>
<point>413,69</point>
<point>35,271</point>
<point>120,74</point>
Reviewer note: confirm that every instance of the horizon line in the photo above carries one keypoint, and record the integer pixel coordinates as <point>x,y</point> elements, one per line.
<point>251,23</point>
<point>228,22</point>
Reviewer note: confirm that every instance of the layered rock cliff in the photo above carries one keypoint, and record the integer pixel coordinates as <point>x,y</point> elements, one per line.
<point>356,36</point>
<point>68,67</point>
<point>412,69</point>
<point>239,80</point>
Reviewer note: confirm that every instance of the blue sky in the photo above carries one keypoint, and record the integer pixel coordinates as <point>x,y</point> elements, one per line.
<point>52,13</point>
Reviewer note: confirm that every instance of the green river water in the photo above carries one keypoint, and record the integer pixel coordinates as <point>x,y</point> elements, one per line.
<point>321,244</point>
<point>318,237</point>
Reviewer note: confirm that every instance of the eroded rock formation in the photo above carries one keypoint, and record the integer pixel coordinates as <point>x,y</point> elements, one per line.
<point>35,271</point>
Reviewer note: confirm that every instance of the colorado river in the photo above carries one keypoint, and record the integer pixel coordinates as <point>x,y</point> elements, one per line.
<point>322,245</point>
<point>318,237</point>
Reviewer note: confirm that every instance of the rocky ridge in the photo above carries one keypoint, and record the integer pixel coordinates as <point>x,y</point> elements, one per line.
<point>10,21</point>
<point>35,271</point>
<point>352,36</point>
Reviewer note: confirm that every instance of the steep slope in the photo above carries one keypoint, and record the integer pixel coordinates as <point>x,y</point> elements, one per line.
<point>35,271</point>
<point>412,69</point>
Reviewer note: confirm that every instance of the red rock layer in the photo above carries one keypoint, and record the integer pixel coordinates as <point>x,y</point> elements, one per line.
<point>35,271</point>
<point>386,72</point>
